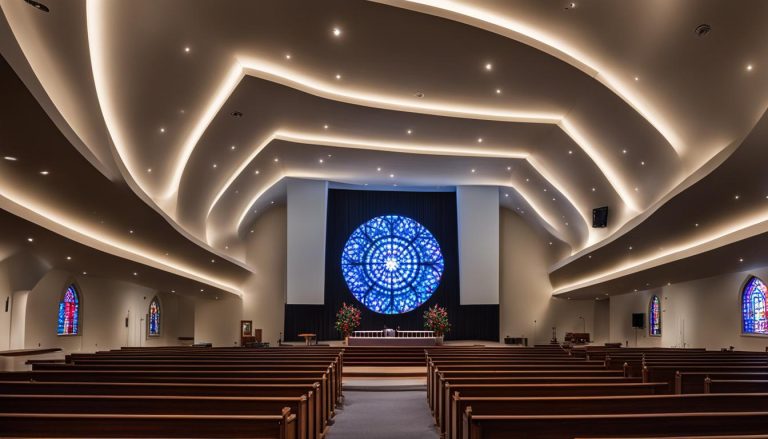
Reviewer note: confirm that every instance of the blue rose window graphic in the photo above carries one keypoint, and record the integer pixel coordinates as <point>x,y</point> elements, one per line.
<point>392,264</point>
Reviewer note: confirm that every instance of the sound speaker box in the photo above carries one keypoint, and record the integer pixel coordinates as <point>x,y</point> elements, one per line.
<point>638,320</point>
<point>600,217</point>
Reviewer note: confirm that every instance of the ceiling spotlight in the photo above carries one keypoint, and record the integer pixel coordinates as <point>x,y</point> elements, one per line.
<point>236,114</point>
<point>277,159</point>
<point>736,197</point>
<point>702,30</point>
<point>506,195</point>
<point>741,259</point>
<point>391,175</point>
<point>630,247</point>
<point>498,91</point>
<point>37,5</point>
<point>378,169</point>
<point>30,239</point>
<point>287,56</point>
<point>84,273</point>
<point>570,152</point>
<point>233,147</point>
<point>271,202</point>
<point>479,140</point>
<point>474,170</point>
<point>187,49</point>
<point>488,67</point>
<point>44,172</point>
<point>321,161</point>
<point>338,76</point>
<point>696,225</point>
<point>637,189</point>
<point>409,131</point>
<point>509,168</point>
<point>642,163</point>
<point>571,5</point>
<point>213,261</point>
<point>749,67</point>
<point>149,170</point>
<point>215,166</point>
<point>135,274</point>
<point>637,78</point>
<point>527,180</point>
<point>131,232</point>
<point>257,172</point>
<point>593,189</point>
<point>325,127</point>
<point>162,130</point>
<point>69,258</point>
<point>419,94</point>
<point>623,151</point>
<point>10,159</point>
<point>336,32</point>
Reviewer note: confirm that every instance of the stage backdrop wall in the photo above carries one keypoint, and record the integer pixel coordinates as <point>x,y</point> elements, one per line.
<point>348,209</point>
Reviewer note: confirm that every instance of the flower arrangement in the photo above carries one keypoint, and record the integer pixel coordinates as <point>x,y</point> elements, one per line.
<point>347,319</point>
<point>436,319</point>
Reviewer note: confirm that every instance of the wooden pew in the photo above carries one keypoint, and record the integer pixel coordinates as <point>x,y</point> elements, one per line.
<point>646,424</point>
<point>585,405</point>
<point>735,386</point>
<point>80,425</point>
<point>167,405</point>
<point>693,382</point>
<point>668,372</point>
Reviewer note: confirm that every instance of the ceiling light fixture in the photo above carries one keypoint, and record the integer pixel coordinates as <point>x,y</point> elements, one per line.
<point>749,67</point>
<point>162,130</point>
<point>321,161</point>
<point>336,32</point>
<point>30,239</point>
<point>498,91</point>
<point>236,114</point>
<point>287,56</point>
<point>391,175</point>
<point>233,147</point>
<point>479,140</point>
<point>409,132</point>
<point>10,159</point>
<point>44,172</point>
<point>338,76</point>
<point>69,258</point>
<point>187,49</point>
<point>488,67</point>
<point>325,127</point>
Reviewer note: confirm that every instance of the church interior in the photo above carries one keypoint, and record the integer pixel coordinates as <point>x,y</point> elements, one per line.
<point>311,219</point>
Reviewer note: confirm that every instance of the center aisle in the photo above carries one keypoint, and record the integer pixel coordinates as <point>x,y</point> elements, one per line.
<point>383,415</point>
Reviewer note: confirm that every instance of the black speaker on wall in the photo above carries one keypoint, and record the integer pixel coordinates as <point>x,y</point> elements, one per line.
<point>600,217</point>
<point>638,320</point>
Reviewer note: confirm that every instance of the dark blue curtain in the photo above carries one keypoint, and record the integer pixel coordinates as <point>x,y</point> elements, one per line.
<point>347,210</point>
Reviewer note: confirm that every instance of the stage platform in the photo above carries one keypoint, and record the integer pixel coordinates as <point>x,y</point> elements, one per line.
<point>392,341</point>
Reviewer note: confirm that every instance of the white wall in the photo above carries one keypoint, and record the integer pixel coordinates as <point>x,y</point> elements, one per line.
<point>701,313</point>
<point>526,292</point>
<point>18,319</point>
<point>478,226</point>
<point>104,306</point>
<point>307,206</point>
<point>218,321</point>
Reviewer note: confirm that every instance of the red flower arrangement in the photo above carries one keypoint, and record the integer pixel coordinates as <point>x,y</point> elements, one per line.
<point>436,319</point>
<point>347,319</point>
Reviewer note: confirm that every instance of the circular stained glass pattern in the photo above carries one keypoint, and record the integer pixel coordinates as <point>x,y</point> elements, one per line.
<point>392,264</point>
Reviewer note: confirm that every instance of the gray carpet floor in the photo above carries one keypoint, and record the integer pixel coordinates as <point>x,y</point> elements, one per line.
<point>383,415</point>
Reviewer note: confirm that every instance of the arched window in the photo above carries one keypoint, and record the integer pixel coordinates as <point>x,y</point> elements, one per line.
<point>654,316</point>
<point>754,320</point>
<point>154,318</point>
<point>69,312</point>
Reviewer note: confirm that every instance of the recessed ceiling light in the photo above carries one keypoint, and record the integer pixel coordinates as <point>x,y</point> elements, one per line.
<point>623,151</point>
<point>637,189</point>
<point>69,258</point>
<point>378,169</point>
<point>10,159</point>
<point>182,111</point>
<point>498,91</point>
<point>338,76</point>
<point>233,147</point>
<point>509,168</point>
<point>479,140</point>
<point>187,49</point>
<point>84,273</point>
<point>527,180</point>
<point>391,175</point>
<point>545,189</point>
<point>131,232</point>
<point>257,172</point>
<point>630,247</point>
<point>325,127</point>
<point>506,195</point>
<point>637,78</point>
<point>474,170</point>
<point>593,189</point>
<point>419,94</point>
<point>642,163</point>
<point>277,159</point>
<point>44,172</point>
<point>550,242</point>
<point>696,225</point>
<point>215,166</point>
<point>741,259</point>
<point>149,170</point>
<point>749,67</point>
<point>336,32</point>
<point>570,152</point>
<point>409,131</point>
<point>135,274</point>
<point>553,199</point>
<point>320,160</point>
<point>571,5</point>
<point>213,261</point>
<point>30,239</point>
<point>488,66</point>
<point>37,5</point>
<point>736,197</point>
<point>287,56</point>
<point>162,130</point>
<point>271,202</point>
<point>202,290</point>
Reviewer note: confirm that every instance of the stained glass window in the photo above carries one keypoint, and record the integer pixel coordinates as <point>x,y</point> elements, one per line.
<point>754,320</point>
<point>654,316</point>
<point>154,318</point>
<point>69,313</point>
<point>392,264</point>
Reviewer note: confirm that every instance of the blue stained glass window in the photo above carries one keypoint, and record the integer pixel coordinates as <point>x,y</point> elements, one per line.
<point>754,320</point>
<point>154,318</point>
<point>654,316</point>
<point>69,313</point>
<point>392,264</point>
